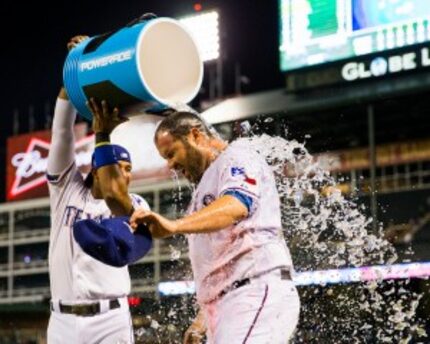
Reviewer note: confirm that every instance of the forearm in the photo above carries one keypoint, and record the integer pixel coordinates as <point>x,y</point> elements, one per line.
<point>113,185</point>
<point>200,319</point>
<point>220,214</point>
<point>62,150</point>
<point>114,190</point>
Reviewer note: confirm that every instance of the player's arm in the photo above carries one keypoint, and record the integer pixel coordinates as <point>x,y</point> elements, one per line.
<point>112,183</point>
<point>238,198</point>
<point>220,214</point>
<point>196,331</point>
<point>62,150</point>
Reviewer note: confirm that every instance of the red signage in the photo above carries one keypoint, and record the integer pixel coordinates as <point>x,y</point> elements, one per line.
<point>27,157</point>
<point>27,160</point>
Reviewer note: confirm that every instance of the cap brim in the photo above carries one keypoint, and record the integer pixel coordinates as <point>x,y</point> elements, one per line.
<point>112,241</point>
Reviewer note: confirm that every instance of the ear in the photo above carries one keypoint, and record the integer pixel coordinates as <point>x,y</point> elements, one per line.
<point>95,176</point>
<point>195,135</point>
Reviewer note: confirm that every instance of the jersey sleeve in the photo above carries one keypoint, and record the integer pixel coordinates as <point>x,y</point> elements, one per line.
<point>139,202</point>
<point>61,155</point>
<point>112,241</point>
<point>240,175</point>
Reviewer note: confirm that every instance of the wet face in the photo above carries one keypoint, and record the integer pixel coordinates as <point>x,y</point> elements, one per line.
<point>183,154</point>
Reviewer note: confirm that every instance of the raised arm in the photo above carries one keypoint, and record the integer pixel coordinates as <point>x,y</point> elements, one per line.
<point>112,183</point>
<point>61,152</point>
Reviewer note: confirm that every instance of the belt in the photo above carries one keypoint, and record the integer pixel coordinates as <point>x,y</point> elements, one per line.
<point>285,275</point>
<point>87,309</point>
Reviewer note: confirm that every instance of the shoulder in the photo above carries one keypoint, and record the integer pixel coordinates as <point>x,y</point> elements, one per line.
<point>139,202</point>
<point>69,176</point>
<point>241,149</point>
<point>241,153</point>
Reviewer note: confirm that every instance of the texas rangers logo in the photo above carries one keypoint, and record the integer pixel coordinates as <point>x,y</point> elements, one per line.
<point>240,171</point>
<point>208,199</point>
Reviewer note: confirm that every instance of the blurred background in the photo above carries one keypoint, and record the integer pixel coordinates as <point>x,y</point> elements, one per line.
<point>348,78</point>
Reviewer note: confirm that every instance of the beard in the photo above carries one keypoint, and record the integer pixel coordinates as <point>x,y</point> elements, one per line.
<point>195,165</point>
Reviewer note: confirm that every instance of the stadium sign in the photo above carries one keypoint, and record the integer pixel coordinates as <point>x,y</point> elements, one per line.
<point>31,162</point>
<point>381,66</point>
<point>27,157</point>
<point>377,66</point>
<point>31,165</point>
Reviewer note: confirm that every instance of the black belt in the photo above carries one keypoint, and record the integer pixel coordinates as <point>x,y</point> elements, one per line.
<point>85,310</point>
<point>285,275</point>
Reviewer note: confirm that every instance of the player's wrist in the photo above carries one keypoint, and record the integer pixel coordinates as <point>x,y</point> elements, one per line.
<point>102,137</point>
<point>63,94</point>
<point>176,227</point>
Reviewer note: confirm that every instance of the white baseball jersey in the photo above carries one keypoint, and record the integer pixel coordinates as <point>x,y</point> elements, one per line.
<point>253,246</point>
<point>74,275</point>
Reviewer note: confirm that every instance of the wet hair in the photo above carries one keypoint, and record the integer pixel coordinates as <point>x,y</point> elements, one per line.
<point>179,124</point>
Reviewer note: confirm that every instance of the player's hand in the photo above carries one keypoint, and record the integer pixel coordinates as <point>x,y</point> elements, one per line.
<point>104,119</point>
<point>159,226</point>
<point>74,41</point>
<point>194,334</point>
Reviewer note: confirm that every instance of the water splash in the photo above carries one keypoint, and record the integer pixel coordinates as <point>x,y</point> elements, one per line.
<point>329,228</point>
<point>175,253</point>
<point>326,230</point>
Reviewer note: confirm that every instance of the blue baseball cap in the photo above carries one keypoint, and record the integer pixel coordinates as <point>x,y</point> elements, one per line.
<point>120,152</point>
<point>112,241</point>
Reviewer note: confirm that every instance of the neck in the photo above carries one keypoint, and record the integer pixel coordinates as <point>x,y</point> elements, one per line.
<point>96,192</point>
<point>208,153</point>
<point>216,147</point>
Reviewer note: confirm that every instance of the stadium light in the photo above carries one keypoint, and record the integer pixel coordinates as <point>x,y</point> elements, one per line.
<point>205,29</point>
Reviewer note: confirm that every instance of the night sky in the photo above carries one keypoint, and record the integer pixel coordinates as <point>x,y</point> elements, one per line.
<point>32,59</point>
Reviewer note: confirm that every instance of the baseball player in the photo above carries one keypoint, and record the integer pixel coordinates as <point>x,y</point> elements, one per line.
<point>241,265</point>
<point>89,298</point>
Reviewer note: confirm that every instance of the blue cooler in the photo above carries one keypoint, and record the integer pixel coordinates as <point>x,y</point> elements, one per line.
<point>150,64</point>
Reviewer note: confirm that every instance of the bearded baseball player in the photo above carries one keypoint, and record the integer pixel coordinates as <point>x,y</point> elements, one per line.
<point>241,264</point>
<point>89,298</point>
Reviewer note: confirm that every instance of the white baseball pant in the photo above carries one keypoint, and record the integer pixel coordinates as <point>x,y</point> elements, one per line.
<point>111,326</point>
<point>265,311</point>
